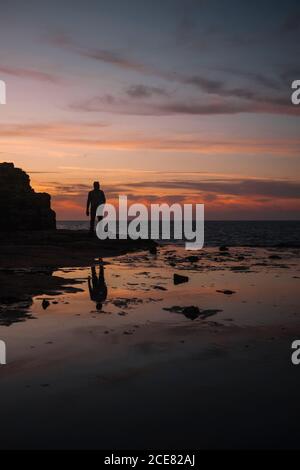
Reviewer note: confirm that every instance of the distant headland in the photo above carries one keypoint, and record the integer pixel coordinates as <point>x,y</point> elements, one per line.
<point>21,208</point>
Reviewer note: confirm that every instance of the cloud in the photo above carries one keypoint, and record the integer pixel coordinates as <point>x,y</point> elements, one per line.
<point>235,96</point>
<point>75,189</point>
<point>219,88</point>
<point>245,187</point>
<point>108,56</point>
<point>143,91</point>
<point>119,105</point>
<point>256,77</point>
<point>204,84</point>
<point>167,107</point>
<point>86,135</point>
<point>111,57</point>
<point>193,145</point>
<point>122,60</point>
<point>51,130</point>
<point>30,74</point>
<point>222,185</point>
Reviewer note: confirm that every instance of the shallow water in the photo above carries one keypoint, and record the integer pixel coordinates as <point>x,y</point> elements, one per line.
<point>113,376</point>
<point>139,287</point>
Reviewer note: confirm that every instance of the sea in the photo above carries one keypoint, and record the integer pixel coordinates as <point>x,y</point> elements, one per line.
<point>230,233</point>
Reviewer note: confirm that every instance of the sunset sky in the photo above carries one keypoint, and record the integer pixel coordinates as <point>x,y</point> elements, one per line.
<point>169,100</point>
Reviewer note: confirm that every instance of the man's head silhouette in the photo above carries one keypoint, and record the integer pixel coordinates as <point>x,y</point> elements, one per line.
<point>96,185</point>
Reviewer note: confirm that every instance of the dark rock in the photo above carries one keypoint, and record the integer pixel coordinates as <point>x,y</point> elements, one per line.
<point>226,291</point>
<point>192,259</point>
<point>178,279</point>
<point>21,208</point>
<point>45,304</point>
<point>191,312</point>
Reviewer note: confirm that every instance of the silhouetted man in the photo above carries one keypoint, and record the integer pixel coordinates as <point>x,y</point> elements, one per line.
<point>97,288</point>
<point>95,198</point>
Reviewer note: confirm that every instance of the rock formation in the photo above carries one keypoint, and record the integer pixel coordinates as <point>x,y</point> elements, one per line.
<point>21,208</point>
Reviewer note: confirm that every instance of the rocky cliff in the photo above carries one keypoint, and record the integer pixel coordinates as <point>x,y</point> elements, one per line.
<point>21,208</point>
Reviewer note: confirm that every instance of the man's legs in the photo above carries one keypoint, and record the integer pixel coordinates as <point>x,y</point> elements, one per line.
<point>92,220</point>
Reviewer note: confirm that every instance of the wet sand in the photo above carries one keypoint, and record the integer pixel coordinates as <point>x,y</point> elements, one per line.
<point>142,368</point>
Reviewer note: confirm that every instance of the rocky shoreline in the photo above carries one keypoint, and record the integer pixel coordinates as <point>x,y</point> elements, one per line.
<point>21,207</point>
<point>59,248</point>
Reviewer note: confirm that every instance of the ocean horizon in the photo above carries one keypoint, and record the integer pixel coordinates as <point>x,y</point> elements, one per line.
<point>285,233</point>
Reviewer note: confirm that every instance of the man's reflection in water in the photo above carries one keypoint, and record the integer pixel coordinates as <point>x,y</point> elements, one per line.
<point>97,286</point>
